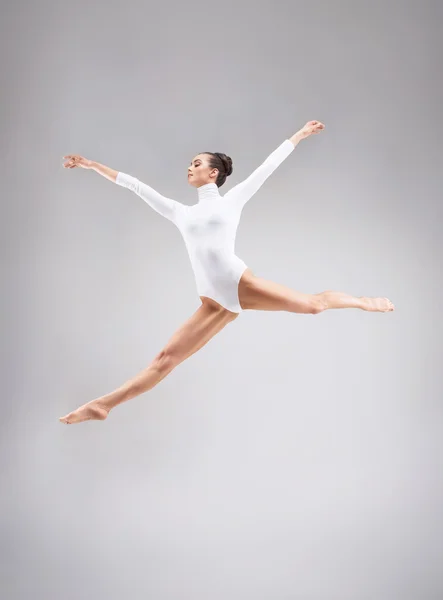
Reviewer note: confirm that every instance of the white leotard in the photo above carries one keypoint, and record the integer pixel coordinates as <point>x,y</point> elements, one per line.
<point>209,227</point>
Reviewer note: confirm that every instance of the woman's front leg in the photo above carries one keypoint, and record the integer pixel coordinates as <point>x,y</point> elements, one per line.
<point>206,322</point>
<point>257,293</point>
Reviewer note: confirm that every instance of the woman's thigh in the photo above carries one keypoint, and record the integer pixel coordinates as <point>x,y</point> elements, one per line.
<point>256,293</point>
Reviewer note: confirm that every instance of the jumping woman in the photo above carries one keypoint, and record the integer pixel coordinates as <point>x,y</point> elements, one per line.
<point>224,283</point>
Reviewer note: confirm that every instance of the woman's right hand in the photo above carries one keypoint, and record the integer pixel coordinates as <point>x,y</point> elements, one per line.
<point>75,160</point>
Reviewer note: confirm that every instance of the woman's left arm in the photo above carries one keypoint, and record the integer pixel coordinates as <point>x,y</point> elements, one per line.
<point>243,191</point>
<point>311,128</point>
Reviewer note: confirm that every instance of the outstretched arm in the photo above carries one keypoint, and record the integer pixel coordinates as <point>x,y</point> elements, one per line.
<point>243,191</point>
<point>165,206</point>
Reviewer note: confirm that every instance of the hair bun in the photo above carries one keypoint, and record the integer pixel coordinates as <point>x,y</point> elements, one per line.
<point>227,162</point>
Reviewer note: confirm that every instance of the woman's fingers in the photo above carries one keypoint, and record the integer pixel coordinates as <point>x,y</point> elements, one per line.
<point>313,127</point>
<point>315,124</point>
<point>317,127</point>
<point>70,161</point>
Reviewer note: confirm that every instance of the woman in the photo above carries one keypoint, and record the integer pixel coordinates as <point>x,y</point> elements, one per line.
<point>224,283</point>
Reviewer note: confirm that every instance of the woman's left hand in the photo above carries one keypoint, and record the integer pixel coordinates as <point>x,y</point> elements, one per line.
<point>311,128</point>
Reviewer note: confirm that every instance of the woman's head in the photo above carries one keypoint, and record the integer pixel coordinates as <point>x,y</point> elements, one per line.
<point>209,167</point>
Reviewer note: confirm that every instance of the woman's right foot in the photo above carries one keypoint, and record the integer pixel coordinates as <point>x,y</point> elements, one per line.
<point>377,304</point>
<point>92,411</point>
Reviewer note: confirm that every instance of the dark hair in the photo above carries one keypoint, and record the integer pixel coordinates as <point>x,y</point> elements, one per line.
<point>221,162</point>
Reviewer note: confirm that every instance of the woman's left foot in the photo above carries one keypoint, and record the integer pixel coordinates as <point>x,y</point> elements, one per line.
<point>377,304</point>
<point>88,412</point>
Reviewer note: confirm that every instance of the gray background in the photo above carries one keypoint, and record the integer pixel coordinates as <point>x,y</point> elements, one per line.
<point>296,456</point>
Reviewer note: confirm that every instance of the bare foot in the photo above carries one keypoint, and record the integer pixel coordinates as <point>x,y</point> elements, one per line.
<point>91,411</point>
<point>378,304</point>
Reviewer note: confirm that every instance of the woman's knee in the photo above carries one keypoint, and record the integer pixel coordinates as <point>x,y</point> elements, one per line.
<point>167,359</point>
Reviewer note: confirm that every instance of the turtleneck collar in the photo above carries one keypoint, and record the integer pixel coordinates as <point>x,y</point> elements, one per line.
<point>208,192</point>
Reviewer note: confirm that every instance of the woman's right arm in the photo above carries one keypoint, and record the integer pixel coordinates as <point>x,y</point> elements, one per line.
<point>107,172</point>
<point>75,160</point>
<point>167,207</point>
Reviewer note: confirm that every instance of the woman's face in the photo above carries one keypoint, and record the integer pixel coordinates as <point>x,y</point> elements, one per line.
<point>199,171</point>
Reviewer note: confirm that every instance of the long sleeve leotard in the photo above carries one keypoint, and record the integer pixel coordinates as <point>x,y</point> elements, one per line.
<point>210,226</point>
